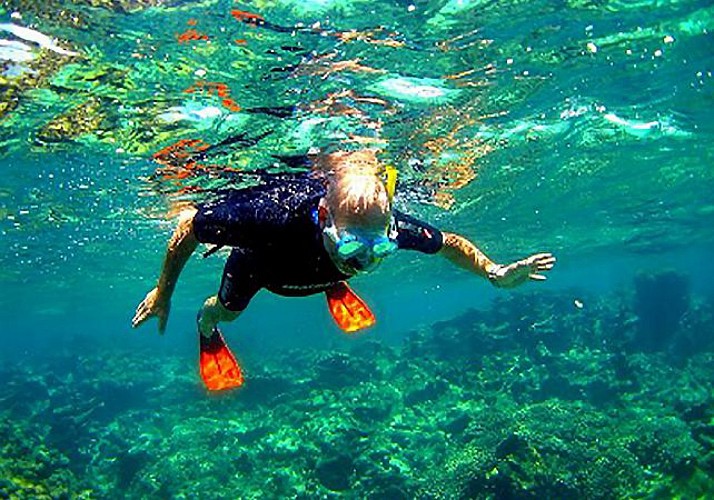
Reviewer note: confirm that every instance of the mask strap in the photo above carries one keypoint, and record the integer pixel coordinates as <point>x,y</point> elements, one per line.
<point>323,217</point>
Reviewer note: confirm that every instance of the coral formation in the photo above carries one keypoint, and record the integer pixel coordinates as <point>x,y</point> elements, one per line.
<point>533,398</point>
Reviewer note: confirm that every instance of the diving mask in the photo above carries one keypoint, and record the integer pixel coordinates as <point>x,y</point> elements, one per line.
<point>351,246</point>
<point>355,247</point>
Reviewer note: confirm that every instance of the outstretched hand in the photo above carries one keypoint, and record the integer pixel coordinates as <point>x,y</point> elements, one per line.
<point>152,305</point>
<point>519,272</point>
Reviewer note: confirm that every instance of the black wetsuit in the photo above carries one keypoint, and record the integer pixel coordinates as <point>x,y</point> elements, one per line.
<point>277,241</point>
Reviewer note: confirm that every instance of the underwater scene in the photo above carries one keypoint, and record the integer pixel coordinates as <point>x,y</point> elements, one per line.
<point>581,128</point>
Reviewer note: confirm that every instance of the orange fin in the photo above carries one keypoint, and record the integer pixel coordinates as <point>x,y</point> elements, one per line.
<point>347,309</point>
<point>219,368</point>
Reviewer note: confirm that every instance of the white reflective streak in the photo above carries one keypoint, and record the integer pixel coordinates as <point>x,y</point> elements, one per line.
<point>34,36</point>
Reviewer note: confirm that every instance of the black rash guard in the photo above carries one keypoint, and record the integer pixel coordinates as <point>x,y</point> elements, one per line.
<point>277,241</point>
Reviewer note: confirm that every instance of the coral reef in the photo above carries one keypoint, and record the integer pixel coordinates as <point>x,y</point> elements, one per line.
<point>31,469</point>
<point>534,398</point>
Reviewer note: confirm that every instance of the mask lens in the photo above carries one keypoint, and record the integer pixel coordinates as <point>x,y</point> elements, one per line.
<point>350,249</point>
<point>384,248</point>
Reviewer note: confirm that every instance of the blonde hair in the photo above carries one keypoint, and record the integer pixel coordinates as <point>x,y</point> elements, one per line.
<point>356,193</point>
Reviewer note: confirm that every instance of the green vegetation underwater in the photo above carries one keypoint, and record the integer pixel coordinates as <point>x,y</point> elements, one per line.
<point>578,127</point>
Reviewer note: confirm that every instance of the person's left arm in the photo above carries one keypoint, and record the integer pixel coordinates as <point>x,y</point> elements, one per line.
<point>465,254</point>
<point>414,234</point>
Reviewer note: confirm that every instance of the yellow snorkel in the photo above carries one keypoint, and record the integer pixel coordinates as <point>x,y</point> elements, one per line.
<point>391,181</point>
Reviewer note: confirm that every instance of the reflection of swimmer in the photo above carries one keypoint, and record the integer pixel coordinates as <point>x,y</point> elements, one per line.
<point>299,236</point>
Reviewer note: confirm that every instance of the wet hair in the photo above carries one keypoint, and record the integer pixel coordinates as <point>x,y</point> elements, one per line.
<point>356,193</point>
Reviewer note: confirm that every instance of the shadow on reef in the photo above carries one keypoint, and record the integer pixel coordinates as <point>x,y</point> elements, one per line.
<point>549,395</point>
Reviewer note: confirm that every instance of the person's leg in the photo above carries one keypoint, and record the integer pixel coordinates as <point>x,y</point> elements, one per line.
<point>219,368</point>
<point>181,246</point>
<point>212,313</point>
<point>217,364</point>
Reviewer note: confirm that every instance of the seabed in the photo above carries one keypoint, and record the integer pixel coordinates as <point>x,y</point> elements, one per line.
<point>605,397</point>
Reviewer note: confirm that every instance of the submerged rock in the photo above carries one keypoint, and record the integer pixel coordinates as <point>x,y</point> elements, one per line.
<point>661,299</point>
<point>335,473</point>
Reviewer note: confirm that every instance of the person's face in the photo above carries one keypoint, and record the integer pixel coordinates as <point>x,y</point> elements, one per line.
<point>358,244</point>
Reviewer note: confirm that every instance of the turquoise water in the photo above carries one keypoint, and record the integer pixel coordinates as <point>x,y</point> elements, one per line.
<point>580,128</point>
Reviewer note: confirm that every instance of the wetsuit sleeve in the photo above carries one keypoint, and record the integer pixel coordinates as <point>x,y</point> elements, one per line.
<point>232,218</point>
<point>413,234</point>
<point>213,223</point>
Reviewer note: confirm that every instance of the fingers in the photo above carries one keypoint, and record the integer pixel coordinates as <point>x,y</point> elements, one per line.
<point>148,308</point>
<point>541,261</point>
<point>545,266</point>
<point>139,319</point>
<point>544,255</point>
<point>142,312</point>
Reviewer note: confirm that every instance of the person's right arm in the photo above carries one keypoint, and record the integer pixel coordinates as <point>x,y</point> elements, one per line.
<point>181,246</point>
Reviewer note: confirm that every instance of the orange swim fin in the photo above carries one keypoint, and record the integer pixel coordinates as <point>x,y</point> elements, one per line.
<point>347,309</point>
<point>219,368</point>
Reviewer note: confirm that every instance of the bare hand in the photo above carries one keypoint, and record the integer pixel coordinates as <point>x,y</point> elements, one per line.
<point>152,305</point>
<point>523,270</point>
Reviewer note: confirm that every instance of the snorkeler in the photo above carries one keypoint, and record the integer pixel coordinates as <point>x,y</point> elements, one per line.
<point>298,236</point>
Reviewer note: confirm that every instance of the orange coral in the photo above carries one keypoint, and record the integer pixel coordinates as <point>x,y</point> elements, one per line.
<point>174,154</point>
<point>190,35</point>
<point>217,88</point>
